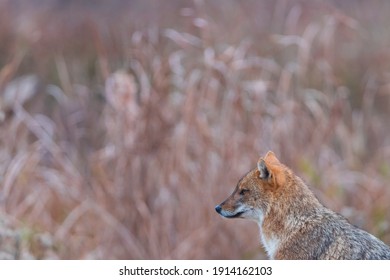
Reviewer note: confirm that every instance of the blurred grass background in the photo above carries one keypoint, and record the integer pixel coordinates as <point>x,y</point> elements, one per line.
<point>123,124</point>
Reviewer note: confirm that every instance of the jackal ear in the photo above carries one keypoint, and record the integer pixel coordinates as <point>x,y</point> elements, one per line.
<point>262,167</point>
<point>271,168</point>
<point>270,158</point>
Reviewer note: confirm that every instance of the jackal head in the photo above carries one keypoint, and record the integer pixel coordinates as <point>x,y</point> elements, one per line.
<point>255,190</point>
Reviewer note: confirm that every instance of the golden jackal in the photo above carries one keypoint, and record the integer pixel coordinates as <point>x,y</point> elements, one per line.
<point>293,223</point>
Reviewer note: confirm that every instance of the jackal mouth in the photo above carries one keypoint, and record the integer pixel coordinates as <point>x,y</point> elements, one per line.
<point>228,214</point>
<point>237,215</point>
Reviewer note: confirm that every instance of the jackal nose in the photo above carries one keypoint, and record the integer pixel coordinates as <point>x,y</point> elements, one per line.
<point>218,208</point>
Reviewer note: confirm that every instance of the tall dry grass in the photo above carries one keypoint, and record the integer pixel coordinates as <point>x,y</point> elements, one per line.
<point>122,126</point>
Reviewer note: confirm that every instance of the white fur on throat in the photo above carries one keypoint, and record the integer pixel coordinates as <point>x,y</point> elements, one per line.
<point>270,245</point>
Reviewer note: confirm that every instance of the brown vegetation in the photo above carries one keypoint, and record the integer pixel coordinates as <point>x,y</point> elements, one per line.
<point>122,126</point>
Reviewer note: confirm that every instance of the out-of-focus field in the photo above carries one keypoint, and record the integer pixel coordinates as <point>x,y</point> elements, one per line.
<point>123,123</point>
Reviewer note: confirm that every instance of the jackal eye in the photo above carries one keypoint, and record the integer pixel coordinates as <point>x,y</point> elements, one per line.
<point>243,191</point>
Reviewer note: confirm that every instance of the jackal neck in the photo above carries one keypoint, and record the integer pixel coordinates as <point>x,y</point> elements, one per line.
<point>290,209</point>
